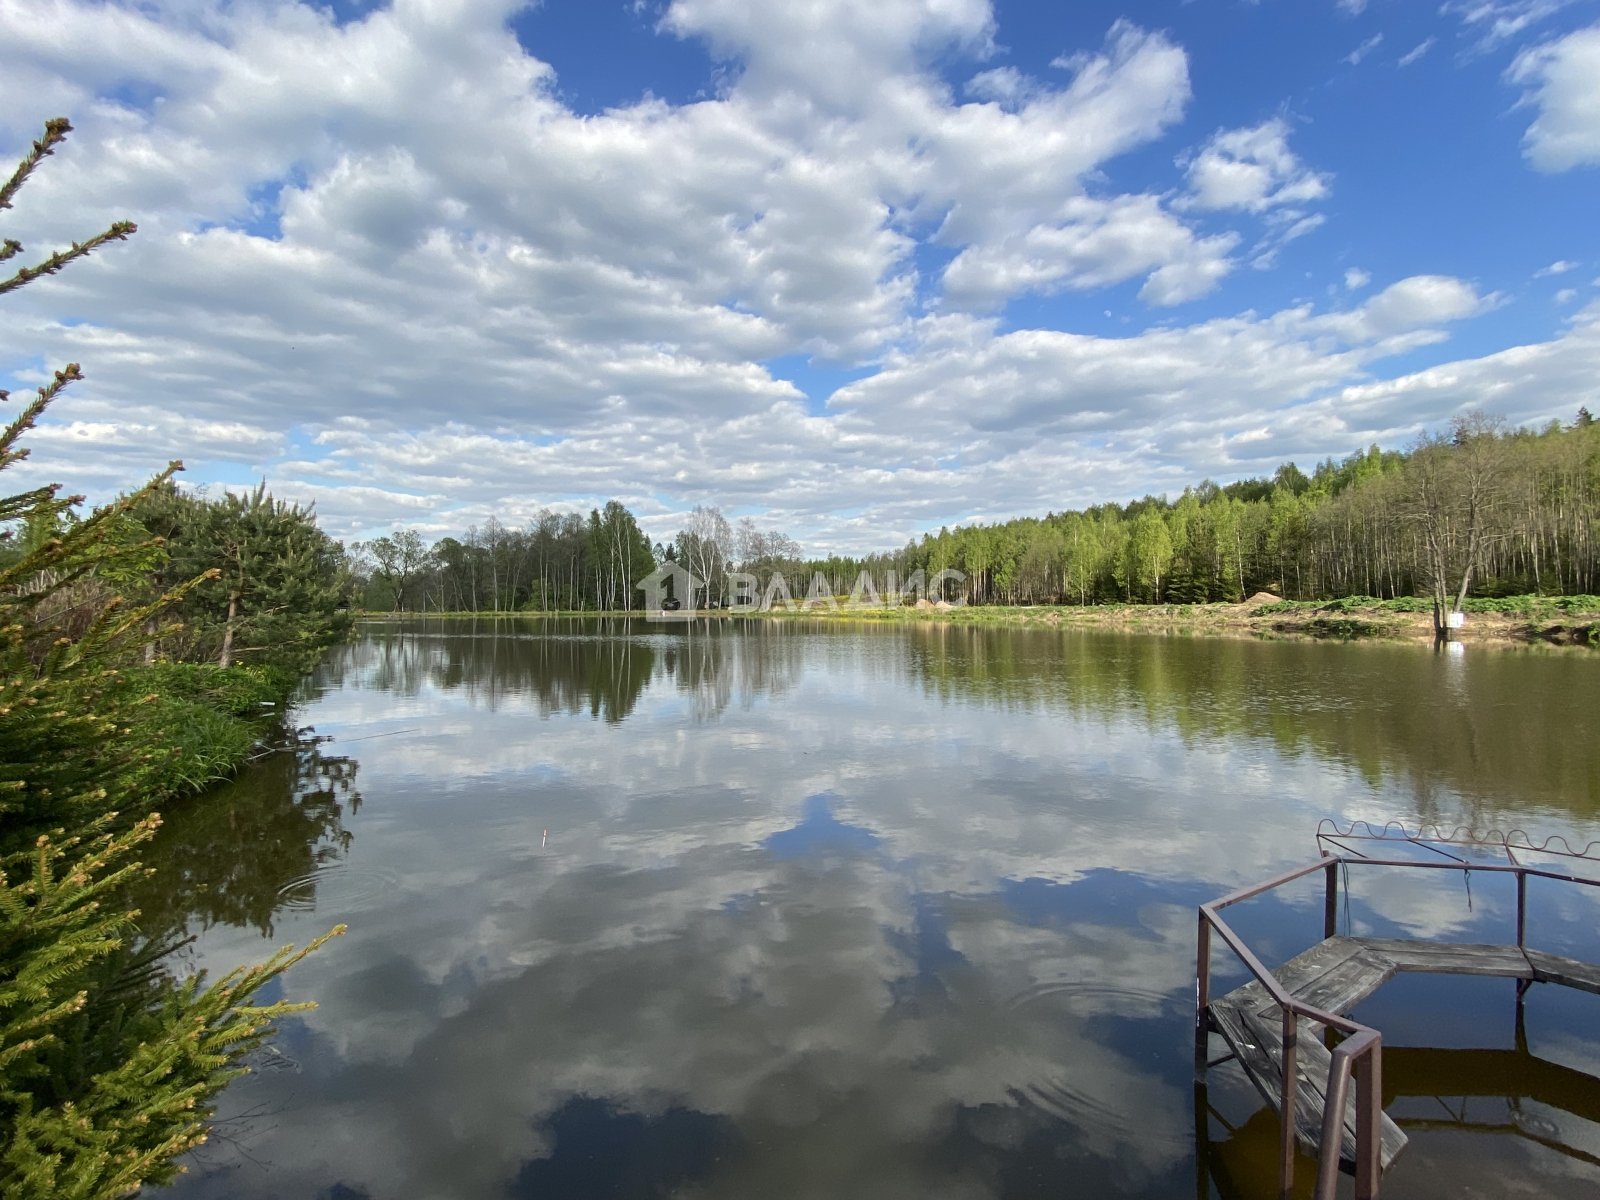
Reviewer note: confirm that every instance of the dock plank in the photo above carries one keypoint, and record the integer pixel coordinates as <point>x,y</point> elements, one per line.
<point>1347,984</point>
<point>1256,1040</point>
<point>1569,972</point>
<point>1451,958</point>
<point>1337,974</point>
<point>1310,965</point>
<point>1299,973</point>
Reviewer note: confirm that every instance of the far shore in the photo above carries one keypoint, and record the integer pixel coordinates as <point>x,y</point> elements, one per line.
<point>1540,621</point>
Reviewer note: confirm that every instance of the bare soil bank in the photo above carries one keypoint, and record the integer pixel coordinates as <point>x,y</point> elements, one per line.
<point>1338,620</point>
<point>1540,622</point>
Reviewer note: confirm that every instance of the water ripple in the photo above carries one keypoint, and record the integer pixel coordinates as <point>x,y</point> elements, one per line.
<point>337,887</point>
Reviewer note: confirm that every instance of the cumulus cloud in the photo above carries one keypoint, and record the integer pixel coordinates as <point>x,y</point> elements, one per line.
<point>382,262</point>
<point>1008,178</point>
<point>1253,170</point>
<point>1355,278</point>
<point>1422,300</point>
<point>1095,243</point>
<point>1560,267</point>
<point>1562,79</point>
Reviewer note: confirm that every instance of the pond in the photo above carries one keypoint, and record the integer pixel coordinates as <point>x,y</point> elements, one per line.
<point>771,909</point>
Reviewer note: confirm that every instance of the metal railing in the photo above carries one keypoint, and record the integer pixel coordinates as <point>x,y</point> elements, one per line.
<point>1360,1054</point>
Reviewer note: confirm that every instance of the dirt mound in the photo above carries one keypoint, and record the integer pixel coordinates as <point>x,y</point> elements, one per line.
<point>1264,598</point>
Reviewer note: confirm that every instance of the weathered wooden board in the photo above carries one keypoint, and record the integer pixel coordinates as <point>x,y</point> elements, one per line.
<point>1257,1042</point>
<point>1299,972</point>
<point>1337,974</point>
<point>1305,969</point>
<point>1552,968</point>
<point>1341,988</point>
<point>1451,958</point>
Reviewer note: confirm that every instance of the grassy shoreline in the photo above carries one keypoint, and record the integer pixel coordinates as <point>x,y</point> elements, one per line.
<point>1514,620</point>
<point>211,720</point>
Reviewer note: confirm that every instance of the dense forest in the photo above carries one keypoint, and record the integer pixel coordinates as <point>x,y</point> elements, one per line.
<point>1477,510</point>
<point>1488,510</point>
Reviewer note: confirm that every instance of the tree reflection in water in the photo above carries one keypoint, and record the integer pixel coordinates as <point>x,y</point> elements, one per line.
<point>599,665</point>
<point>242,852</point>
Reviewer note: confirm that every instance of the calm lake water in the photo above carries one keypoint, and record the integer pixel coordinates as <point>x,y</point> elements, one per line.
<point>767,910</point>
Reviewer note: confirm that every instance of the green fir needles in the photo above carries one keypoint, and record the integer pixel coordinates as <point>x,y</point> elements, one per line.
<point>109,1063</point>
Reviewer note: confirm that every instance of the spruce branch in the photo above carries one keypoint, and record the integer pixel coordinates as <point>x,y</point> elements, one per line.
<point>78,550</point>
<point>8,249</point>
<point>118,232</point>
<point>55,132</point>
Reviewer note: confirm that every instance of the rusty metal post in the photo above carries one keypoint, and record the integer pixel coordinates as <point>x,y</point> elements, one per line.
<point>1333,1126</point>
<point>1330,903</point>
<point>1369,1121</point>
<point>1202,999</point>
<point>1291,1089</point>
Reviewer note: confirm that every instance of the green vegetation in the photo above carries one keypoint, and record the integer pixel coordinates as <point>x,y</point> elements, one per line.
<point>1481,515</point>
<point>108,1062</point>
<point>270,587</point>
<point>561,562</point>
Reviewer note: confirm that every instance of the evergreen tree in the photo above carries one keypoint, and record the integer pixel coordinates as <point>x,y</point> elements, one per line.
<point>276,591</point>
<point>107,1064</point>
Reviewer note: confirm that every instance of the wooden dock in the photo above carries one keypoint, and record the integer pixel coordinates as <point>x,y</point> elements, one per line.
<point>1336,975</point>
<point>1289,1030</point>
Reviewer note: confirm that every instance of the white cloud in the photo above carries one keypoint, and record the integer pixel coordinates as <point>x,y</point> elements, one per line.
<point>1565,295</point>
<point>1096,242</point>
<point>1494,22</point>
<point>1526,383</point>
<point>1416,52</point>
<point>1355,278</point>
<point>1252,169</point>
<point>1367,47</point>
<point>1563,81</point>
<point>383,264</point>
<point>1422,300</point>
<point>1284,226</point>
<point>831,52</point>
<point>1560,267</point>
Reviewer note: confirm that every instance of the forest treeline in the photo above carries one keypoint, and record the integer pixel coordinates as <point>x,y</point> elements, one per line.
<point>1477,510</point>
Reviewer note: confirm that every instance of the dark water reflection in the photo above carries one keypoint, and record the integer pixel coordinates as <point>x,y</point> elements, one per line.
<point>768,910</point>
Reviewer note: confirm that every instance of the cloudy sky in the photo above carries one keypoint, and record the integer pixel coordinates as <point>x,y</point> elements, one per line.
<point>855,269</point>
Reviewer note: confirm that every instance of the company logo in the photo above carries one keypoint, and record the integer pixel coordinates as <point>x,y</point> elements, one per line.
<point>672,593</point>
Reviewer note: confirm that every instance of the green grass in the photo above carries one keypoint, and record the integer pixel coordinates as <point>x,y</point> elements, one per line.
<point>208,719</point>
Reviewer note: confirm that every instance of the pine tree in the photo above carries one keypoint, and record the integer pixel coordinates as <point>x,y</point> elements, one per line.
<point>107,1064</point>
<point>275,590</point>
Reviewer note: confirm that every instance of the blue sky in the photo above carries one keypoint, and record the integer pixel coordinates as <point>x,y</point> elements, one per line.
<point>857,271</point>
<point>1426,152</point>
